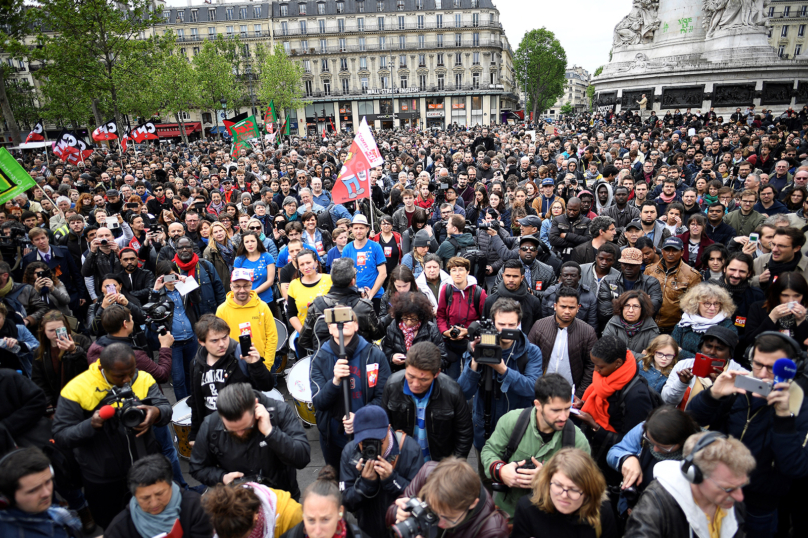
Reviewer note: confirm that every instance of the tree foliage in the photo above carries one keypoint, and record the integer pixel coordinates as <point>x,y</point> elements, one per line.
<point>11,33</point>
<point>280,80</point>
<point>540,63</point>
<point>214,79</point>
<point>566,109</point>
<point>176,84</point>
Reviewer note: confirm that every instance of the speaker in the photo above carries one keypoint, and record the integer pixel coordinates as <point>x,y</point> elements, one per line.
<point>689,467</point>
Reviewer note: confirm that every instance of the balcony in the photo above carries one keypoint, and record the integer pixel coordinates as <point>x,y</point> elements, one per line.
<point>374,28</point>
<point>392,47</point>
<point>398,92</point>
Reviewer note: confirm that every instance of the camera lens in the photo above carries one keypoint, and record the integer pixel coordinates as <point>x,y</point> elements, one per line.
<point>131,416</point>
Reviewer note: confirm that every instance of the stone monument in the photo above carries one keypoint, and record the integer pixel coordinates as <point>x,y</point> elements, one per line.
<point>698,54</point>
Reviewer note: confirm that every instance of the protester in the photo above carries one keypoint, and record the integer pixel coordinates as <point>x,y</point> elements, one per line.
<point>703,306</point>
<point>250,509</point>
<point>634,323</point>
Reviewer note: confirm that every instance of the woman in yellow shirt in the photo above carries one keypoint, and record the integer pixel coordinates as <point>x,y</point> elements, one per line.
<point>251,510</point>
<point>303,290</point>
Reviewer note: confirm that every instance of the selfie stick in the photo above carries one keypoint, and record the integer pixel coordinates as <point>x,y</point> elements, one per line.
<point>346,391</point>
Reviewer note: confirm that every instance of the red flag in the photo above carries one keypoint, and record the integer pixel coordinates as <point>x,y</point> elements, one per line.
<point>332,124</point>
<point>107,131</point>
<point>353,181</point>
<point>37,135</point>
<point>70,149</point>
<point>147,131</point>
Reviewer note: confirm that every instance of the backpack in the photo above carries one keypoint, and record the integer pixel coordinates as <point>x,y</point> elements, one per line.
<point>519,429</point>
<point>475,256</point>
<point>656,398</point>
<point>475,298</point>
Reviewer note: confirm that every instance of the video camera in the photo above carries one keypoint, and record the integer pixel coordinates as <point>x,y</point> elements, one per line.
<point>127,412</point>
<point>16,238</point>
<point>159,314</point>
<point>493,225</point>
<point>423,521</point>
<point>488,351</point>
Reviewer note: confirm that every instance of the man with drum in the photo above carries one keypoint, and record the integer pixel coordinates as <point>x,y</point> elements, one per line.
<point>218,363</point>
<point>251,437</point>
<point>246,313</point>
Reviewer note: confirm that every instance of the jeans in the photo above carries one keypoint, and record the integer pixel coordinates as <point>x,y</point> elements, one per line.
<point>761,524</point>
<point>163,436</point>
<point>181,356</point>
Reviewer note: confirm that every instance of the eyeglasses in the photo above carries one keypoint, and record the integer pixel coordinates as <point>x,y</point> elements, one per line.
<point>712,305</point>
<point>631,307</point>
<point>454,522</point>
<point>528,249</point>
<point>571,493</point>
<point>410,320</point>
<point>255,228</point>
<point>666,449</point>
<point>728,490</point>
<point>660,355</point>
<point>760,366</point>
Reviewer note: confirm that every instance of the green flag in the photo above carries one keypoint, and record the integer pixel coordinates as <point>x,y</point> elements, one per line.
<point>270,118</point>
<point>14,179</point>
<point>242,131</point>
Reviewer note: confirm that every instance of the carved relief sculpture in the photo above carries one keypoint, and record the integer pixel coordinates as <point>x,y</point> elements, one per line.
<point>639,25</point>
<point>730,14</point>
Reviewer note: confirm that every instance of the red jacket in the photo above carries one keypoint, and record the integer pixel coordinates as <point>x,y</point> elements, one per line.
<point>463,309</point>
<point>705,242</point>
<point>397,237</point>
<point>160,371</point>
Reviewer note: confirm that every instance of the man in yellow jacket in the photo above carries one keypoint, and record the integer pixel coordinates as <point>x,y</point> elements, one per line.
<point>241,307</point>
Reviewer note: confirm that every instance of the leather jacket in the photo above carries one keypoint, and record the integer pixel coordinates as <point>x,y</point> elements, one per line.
<point>674,284</point>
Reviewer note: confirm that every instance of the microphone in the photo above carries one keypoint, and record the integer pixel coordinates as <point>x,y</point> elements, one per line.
<point>107,412</point>
<point>784,370</point>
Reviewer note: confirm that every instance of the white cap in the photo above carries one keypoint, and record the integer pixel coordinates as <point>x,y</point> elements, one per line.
<point>241,274</point>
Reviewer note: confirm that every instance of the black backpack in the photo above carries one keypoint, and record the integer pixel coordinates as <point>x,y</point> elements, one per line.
<point>656,398</point>
<point>519,429</point>
<point>475,256</point>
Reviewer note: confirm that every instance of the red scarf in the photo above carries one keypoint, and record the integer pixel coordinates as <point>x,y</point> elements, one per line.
<point>595,396</point>
<point>189,267</point>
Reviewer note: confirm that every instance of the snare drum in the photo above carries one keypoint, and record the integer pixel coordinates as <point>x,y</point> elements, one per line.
<point>274,394</point>
<point>282,334</point>
<point>299,387</point>
<point>181,422</point>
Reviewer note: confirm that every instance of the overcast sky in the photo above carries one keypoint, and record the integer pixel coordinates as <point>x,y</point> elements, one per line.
<point>584,27</point>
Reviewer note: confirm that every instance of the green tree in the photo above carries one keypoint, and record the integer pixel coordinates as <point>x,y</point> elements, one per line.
<point>232,49</point>
<point>215,80</point>
<point>598,71</point>
<point>280,80</point>
<point>11,32</point>
<point>540,64</point>
<point>176,83</point>
<point>566,109</point>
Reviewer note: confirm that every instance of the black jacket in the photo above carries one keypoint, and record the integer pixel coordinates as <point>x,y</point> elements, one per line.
<point>275,457</point>
<point>394,341</point>
<point>97,265</point>
<point>528,518</point>
<point>193,519</point>
<point>315,330</point>
<point>449,429</point>
<point>141,284</point>
<point>76,245</point>
<point>22,412</point>
<point>531,305</point>
<point>577,233</point>
<point>743,304</point>
<point>64,266</point>
<point>72,364</point>
<point>208,381</point>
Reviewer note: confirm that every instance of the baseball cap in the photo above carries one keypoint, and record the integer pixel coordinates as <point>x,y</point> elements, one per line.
<point>673,242</point>
<point>531,220</point>
<point>240,273</point>
<point>548,181</point>
<point>370,422</point>
<point>724,334</point>
<point>631,256</point>
<point>360,219</point>
<point>634,224</point>
<point>112,192</point>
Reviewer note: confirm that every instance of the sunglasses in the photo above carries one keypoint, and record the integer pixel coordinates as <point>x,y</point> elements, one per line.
<point>256,228</point>
<point>528,249</point>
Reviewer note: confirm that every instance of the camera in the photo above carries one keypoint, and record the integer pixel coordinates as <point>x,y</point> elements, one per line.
<point>454,332</point>
<point>488,350</point>
<point>500,486</point>
<point>371,449</point>
<point>159,314</point>
<point>127,410</point>
<point>493,225</point>
<point>630,494</point>
<point>423,521</point>
<point>15,238</point>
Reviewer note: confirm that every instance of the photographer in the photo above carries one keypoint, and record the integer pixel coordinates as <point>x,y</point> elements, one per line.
<point>457,240</point>
<point>14,245</point>
<point>250,436</point>
<point>514,374</point>
<point>376,467</point>
<point>454,495</point>
<point>114,294</point>
<point>102,259</point>
<point>106,447</point>
<point>61,263</point>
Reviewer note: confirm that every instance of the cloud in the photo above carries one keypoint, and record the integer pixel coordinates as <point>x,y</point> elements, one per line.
<point>584,27</point>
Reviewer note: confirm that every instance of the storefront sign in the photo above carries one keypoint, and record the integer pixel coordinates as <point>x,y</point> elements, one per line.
<point>390,91</point>
<point>434,114</point>
<point>435,106</point>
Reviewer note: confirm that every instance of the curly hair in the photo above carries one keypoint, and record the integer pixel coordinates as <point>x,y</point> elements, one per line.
<point>231,509</point>
<point>411,303</point>
<point>703,291</point>
<point>29,278</point>
<point>656,344</point>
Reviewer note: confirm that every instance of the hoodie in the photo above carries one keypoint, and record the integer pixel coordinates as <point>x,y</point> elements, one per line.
<point>608,203</point>
<point>262,324</point>
<point>447,249</point>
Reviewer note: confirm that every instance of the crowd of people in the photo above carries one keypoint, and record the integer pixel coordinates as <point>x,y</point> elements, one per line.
<point>596,313</point>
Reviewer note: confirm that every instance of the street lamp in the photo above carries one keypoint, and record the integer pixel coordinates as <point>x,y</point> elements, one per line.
<point>223,101</point>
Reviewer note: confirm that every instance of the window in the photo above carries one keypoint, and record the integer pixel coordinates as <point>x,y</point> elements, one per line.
<point>180,16</point>
<point>194,15</point>
<point>440,60</point>
<point>402,42</point>
<point>476,58</point>
<point>321,24</point>
<point>441,82</point>
<point>321,8</point>
<point>475,39</point>
<point>207,118</point>
<point>345,85</point>
<point>212,14</point>
<point>257,30</point>
<point>781,50</point>
<point>422,60</point>
<point>380,23</point>
<point>194,33</point>
<point>475,20</point>
<point>309,91</point>
<point>419,4</point>
<point>324,65</point>
<point>327,87</point>
<point>801,30</point>
<point>229,14</point>
<point>229,30</point>
<point>343,64</point>
<point>343,47</point>
<point>422,81</point>
<point>363,82</point>
<point>180,34</point>
<point>786,11</point>
<point>362,46</point>
<point>784,31</point>
<point>360,24</point>
<point>421,42</point>
<point>382,42</point>
<point>284,28</point>
<point>256,12</point>
<point>399,5</point>
<point>384,82</point>
<point>287,48</point>
<point>323,46</point>
<point>245,50</point>
<point>183,53</point>
<point>403,82</point>
<point>797,50</point>
<point>211,32</point>
<point>438,4</point>
<point>493,78</point>
<point>304,44</point>
<point>402,60</point>
<point>458,80</point>
<point>458,20</point>
<point>301,8</point>
<point>401,23</point>
<point>380,6</point>
<point>438,21</point>
<point>243,29</point>
<point>771,12</point>
<point>456,3</point>
<point>363,62</point>
<point>340,7</point>
<point>361,6</point>
<point>420,23</point>
<point>475,4</point>
<point>307,66</point>
<point>242,13</point>
<point>475,80</point>
<point>382,62</point>
<point>458,40</point>
<point>458,59</point>
<point>303,27</point>
<point>284,10</point>
<point>386,106</point>
<point>439,41</point>
<point>341,25</point>
<point>803,11</point>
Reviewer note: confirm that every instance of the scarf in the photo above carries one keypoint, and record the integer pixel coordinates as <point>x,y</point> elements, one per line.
<point>710,199</point>
<point>265,525</point>
<point>149,525</point>
<point>776,268</point>
<point>7,288</point>
<point>189,267</point>
<point>226,252</point>
<point>667,199</point>
<point>409,333</point>
<point>735,291</point>
<point>631,328</point>
<point>342,530</point>
<point>595,397</point>
<point>676,455</point>
<point>699,324</point>
<point>217,207</point>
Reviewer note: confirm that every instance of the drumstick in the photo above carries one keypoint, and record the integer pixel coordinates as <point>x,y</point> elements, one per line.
<point>183,417</point>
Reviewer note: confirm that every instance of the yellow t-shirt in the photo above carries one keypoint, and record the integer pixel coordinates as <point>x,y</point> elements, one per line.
<point>304,294</point>
<point>288,512</point>
<point>714,525</point>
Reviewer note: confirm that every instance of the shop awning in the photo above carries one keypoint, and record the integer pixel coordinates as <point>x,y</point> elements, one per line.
<point>172,130</point>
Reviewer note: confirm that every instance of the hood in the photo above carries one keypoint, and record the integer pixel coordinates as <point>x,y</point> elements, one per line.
<point>669,475</point>
<point>251,303</point>
<point>465,240</point>
<point>444,277</point>
<point>106,340</point>
<point>608,200</point>
<point>362,345</point>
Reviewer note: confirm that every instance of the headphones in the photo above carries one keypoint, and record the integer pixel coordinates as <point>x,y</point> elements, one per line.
<point>5,502</point>
<point>801,357</point>
<point>689,467</point>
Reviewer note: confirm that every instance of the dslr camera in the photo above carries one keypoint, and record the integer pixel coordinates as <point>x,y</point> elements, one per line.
<point>127,412</point>
<point>159,314</point>
<point>422,521</point>
<point>500,486</point>
<point>493,225</point>
<point>488,350</point>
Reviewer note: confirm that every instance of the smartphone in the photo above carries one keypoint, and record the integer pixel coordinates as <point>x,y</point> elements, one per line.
<point>245,341</point>
<point>61,333</point>
<point>751,384</point>
<point>792,304</point>
<point>754,237</point>
<point>703,366</point>
<point>339,314</point>
<point>131,205</point>
<point>111,289</point>
<point>170,278</point>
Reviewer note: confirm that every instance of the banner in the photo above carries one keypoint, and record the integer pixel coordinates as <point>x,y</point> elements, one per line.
<point>37,135</point>
<point>107,131</point>
<point>605,110</point>
<point>141,133</point>
<point>14,179</point>
<point>270,118</point>
<point>284,130</point>
<point>353,181</point>
<point>70,149</point>
<point>230,121</point>
<point>242,132</point>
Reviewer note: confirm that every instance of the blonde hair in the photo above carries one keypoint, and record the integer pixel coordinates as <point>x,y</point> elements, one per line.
<point>729,451</point>
<point>549,214</point>
<point>703,291</point>
<point>581,469</point>
<point>656,344</point>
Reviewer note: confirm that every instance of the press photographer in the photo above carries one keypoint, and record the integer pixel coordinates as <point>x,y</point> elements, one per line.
<point>447,499</point>
<point>105,416</point>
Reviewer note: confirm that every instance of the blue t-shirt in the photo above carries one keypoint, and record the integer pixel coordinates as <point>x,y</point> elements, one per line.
<point>259,269</point>
<point>283,255</point>
<point>367,261</point>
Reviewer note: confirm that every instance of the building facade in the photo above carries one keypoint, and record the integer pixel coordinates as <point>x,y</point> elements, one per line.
<point>787,27</point>
<point>575,85</point>
<point>397,63</point>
